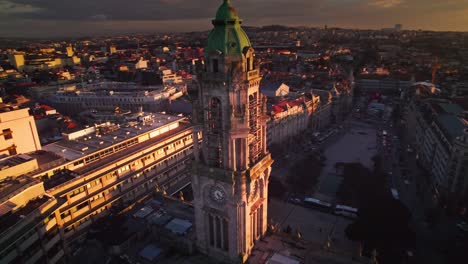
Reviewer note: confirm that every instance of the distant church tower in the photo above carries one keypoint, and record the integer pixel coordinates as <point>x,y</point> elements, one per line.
<point>230,181</point>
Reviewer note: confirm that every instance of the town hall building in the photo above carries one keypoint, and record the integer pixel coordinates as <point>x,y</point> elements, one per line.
<point>230,177</point>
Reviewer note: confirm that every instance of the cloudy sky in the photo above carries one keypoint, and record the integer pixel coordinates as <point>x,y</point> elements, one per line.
<point>47,18</point>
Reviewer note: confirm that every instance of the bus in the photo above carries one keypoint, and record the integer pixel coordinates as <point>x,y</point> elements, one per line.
<point>316,203</point>
<point>395,194</point>
<point>346,211</point>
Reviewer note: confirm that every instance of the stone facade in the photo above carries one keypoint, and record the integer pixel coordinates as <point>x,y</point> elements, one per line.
<point>290,118</point>
<point>321,117</point>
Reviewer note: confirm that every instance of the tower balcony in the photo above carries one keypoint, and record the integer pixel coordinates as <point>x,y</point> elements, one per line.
<point>253,74</point>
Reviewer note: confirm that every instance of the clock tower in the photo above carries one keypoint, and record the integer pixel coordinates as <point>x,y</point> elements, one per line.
<point>230,179</point>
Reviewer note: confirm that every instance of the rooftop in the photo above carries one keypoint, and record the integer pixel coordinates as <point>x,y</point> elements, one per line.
<point>93,140</point>
<point>11,187</point>
<point>116,86</point>
<point>138,147</point>
<point>285,105</point>
<point>117,94</point>
<point>12,161</point>
<point>179,226</point>
<point>59,178</point>
<point>452,125</point>
<point>14,115</point>
<point>450,108</point>
<point>46,159</point>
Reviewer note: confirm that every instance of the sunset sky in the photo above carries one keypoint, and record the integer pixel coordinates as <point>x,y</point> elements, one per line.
<point>44,18</point>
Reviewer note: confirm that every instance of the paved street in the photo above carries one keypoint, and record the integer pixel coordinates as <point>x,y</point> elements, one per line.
<point>358,141</point>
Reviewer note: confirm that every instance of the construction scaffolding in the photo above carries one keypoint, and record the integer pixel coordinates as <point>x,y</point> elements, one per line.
<point>255,141</point>
<point>214,133</point>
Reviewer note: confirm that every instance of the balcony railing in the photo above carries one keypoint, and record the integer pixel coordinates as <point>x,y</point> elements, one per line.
<point>29,241</point>
<point>52,242</point>
<point>57,257</point>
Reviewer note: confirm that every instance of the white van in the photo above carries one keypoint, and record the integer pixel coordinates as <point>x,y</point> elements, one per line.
<point>346,211</point>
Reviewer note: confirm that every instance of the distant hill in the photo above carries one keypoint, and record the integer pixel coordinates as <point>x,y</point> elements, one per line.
<point>275,28</point>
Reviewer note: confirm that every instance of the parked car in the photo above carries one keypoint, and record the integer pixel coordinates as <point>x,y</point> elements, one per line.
<point>463,226</point>
<point>295,200</point>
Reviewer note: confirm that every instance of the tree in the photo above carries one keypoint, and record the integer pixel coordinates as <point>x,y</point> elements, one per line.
<point>383,224</point>
<point>304,174</point>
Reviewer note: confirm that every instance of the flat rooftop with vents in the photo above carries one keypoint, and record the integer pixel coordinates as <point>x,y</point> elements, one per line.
<point>88,141</point>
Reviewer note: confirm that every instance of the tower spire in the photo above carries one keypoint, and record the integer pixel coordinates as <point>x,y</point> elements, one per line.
<point>227,35</point>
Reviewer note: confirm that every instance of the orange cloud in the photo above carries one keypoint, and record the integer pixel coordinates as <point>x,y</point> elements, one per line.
<point>386,3</point>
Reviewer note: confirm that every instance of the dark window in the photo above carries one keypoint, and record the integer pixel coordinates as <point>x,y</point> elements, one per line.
<point>215,65</point>
<point>68,229</point>
<point>225,235</point>
<point>12,151</point>
<point>81,206</point>
<point>218,232</point>
<point>65,214</point>
<point>7,134</point>
<point>211,229</point>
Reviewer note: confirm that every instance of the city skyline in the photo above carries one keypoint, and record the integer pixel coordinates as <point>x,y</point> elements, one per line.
<point>51,18</point>
<point>267,145</point>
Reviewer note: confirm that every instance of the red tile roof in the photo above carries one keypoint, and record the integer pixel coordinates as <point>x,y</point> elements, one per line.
<point>281,107</point>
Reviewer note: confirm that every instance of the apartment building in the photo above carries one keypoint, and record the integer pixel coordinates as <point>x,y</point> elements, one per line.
<point>321,118</point>
<point>383,86</point>
<point>18,132</point>
<point>342,100</point>
<point>44,61</point>
<point>81,100</point>
<point>28,228</point>
<point>291,117</point>
<point>93,170</point>
<point>439,128</point>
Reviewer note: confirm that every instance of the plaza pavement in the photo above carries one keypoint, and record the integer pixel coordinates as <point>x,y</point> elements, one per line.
<point>357,143</point>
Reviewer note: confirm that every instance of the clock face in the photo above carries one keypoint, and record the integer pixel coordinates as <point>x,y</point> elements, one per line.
<point>218,195</point>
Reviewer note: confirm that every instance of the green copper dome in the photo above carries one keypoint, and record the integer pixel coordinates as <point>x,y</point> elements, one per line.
<point>227,35</point>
